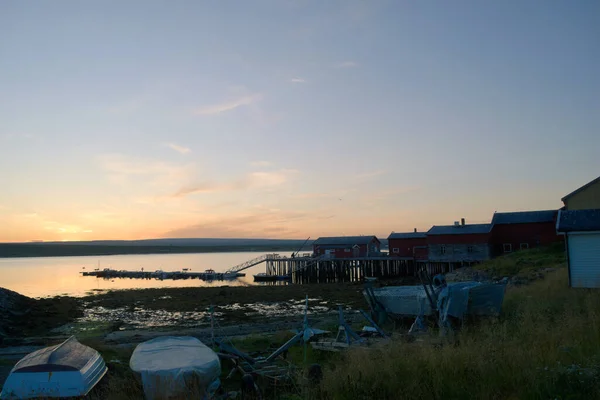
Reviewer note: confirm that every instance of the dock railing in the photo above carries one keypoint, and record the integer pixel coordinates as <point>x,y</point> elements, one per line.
<point>249,263</point>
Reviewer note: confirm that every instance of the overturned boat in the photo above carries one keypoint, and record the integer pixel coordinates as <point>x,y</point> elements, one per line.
<point>69,369</point>
<point>172,366</point>
<point>457,299</point>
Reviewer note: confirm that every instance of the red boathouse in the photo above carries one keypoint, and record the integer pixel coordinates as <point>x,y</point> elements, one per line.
<point>347,246</point>
<point>521,230</point>
<point>408,245</point>
<point>459,243</point>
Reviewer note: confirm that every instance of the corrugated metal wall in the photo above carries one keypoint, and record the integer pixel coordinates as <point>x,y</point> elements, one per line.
<point>584,260</point>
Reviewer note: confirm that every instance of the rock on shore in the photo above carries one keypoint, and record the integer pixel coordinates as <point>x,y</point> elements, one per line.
<point>22,315</point>
<point>12,306</point>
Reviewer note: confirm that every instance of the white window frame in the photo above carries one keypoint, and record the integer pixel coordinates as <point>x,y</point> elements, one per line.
<point>524,246</point>
<point>347,250</point>
<point>470,249</point>
<point>443,249</point>
<point>396,250</point>
<point>504,246</point>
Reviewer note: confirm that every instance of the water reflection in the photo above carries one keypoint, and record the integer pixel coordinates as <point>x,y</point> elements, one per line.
<point>51,276</point>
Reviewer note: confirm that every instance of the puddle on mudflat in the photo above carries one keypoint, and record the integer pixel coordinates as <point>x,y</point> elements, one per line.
<point>282,309</point>
<point>137,317</point>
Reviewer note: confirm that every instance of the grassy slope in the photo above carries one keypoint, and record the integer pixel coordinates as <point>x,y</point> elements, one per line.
<point>546,345</point>
<point>526,264</point>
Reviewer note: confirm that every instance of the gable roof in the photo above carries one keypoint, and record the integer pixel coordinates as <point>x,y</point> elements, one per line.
<point>343,240</point>
<point>581,189</point>
<point>524,217</point>
<point>407,235</point>
<point>578,220</point>
<point>459,229</point>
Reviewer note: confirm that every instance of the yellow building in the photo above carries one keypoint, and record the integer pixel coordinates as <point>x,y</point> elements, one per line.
<point>585,198</point>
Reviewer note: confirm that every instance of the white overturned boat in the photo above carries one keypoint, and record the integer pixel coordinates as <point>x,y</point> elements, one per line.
<point>173,366</point>
<point>455,299</point>
<point>69,369</point>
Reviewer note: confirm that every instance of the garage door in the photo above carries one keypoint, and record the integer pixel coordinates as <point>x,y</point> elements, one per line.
<point>584,260</point>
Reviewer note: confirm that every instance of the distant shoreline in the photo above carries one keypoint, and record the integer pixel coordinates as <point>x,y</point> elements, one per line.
<point>77,250</point>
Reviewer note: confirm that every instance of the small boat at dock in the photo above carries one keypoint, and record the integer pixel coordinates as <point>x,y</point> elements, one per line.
<point>208,275</point>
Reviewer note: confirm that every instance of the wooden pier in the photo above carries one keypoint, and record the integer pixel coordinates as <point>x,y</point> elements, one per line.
<point>324,269</point>
<point>161,275</point>
<point>299,269</point>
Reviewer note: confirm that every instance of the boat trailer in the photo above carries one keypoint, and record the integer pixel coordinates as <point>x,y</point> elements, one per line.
<point>346,337</point>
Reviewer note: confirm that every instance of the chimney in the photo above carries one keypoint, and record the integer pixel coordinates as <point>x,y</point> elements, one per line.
<point>415,230</point>
<point>462,221</point>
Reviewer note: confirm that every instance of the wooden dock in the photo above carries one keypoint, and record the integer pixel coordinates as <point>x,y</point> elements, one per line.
<point>161,275</point>
<point>299,269</point>
<point>325,269</point>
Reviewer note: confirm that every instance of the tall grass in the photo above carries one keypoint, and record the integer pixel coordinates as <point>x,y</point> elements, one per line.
<point>525,263</point>
<point>545,346</point>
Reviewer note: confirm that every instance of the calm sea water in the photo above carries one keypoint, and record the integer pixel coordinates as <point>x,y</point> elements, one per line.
<point>51,276</point>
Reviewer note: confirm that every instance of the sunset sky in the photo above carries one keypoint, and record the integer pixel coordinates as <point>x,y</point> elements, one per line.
<point>290,118</point>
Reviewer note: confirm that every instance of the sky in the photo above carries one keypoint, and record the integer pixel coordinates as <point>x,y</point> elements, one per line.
<point>290,118</point>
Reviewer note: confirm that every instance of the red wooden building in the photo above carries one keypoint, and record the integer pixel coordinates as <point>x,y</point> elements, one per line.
<point>459,243</point>
<point>408,245</point>
<point>347,246</point>
<point>514,231</point>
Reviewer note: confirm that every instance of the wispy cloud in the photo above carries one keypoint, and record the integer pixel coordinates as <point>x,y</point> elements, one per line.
<point>253,223</point>
<point>178,148</point>
<point>298,80</point>
<point>264,179</point>
<point>229,105</point>
<point>346,64</point>
<point>251,181</point>
<point>205,187</point>
<point>120,168</point>
<point>262,164</point>
<point>371,174</point>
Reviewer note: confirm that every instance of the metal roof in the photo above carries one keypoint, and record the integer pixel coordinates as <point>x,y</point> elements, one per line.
<point>341,240</point>
<point>524,217</point>
<point>459,229</point>
<point>408,235</point>
<point>581,188</point>
<point>578,220</point>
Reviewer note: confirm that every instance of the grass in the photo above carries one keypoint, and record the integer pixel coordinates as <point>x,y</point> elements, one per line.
<point>546,345</point>
<point>525,263</point>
